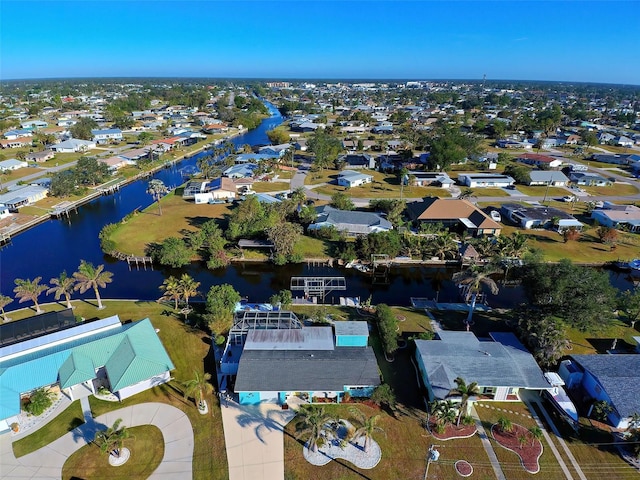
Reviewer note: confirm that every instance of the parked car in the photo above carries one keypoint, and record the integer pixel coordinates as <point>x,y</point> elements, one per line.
<point>569,198</point>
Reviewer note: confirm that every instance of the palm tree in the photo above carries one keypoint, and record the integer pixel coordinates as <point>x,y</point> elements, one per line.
<point>466,392</point>
<point>171,288</point>
<point>474,278</point>
<point>29,290</point>
<point>110,440</point>
<point>444,411</point>
<point>4,301</point>
<point>62,286</point>
<point>536,434</point>
<point>198,386</point>
<point>188,288</point>
<point>312,421</point>
<point>89,276</point>
<point>368,426</point>
<point>513,246</point>
<point>505,424</point>
<point>157,189</point>
<point>444,245</point>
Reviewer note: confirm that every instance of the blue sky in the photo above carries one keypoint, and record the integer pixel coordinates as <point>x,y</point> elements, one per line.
<point>592,41</point>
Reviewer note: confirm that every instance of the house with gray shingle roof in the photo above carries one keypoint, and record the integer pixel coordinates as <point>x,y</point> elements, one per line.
<point>612,378</point>
<point>501,365</point>
<point>350,222</point>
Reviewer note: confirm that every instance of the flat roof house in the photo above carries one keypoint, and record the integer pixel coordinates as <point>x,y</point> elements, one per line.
<point>350,222</point>
<point>500,365</point>
<point>473,180</point>
<point>53,349</point>
<point>351,178</point>
<point>24,195</point>
<point>612,215</point>
<point>12,164</point>
<point>613,378</point>
<point>538,216</point>
<point>73,145</point>
<point>455,214</point>
<point>16,142</point>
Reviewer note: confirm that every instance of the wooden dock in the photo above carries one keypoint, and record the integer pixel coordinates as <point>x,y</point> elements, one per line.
<point>133,260</point>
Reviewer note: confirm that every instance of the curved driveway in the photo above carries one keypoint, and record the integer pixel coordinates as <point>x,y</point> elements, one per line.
<point>47,462</point>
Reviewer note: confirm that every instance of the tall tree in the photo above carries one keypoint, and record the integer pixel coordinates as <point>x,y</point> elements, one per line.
<point>82,128</point>
<point>198,386</point>
<point>157,189</point>
<point>89,276</point>
<point>171,290</point>
<point>221,303</point>
<point>629,304</point>
<point>4,301</point>
<point>188,288</point>
<point>110,440</point>
<point>465,391</point>
<point>367,427</point>
<point>29,290</point>
<point>284,237</point>
<point>325,147</point>
<point>62,286</point>
<point>475,278</point>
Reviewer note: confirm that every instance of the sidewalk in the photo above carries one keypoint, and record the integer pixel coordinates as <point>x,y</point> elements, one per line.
<point>47,462</point>
<point>254,440</point>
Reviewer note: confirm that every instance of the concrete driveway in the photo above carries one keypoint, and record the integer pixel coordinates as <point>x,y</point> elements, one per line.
<point>254,439</point>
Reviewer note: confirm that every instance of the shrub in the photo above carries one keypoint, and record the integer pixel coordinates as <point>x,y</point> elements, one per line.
<point>39,401</point>
<point>388,327</point>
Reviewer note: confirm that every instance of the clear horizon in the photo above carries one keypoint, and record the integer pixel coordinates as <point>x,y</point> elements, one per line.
<point>567,41</point>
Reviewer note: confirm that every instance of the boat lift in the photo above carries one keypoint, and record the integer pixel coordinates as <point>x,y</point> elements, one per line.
<point>317,287</point>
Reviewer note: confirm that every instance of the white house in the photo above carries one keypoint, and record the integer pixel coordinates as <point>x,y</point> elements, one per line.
<point>540,160</point>
<point>73,145</point>
<point>24,195</point>
<point>107,135</point>
<point>12,164</point>
<point>613,215</point>
<point>431,179</point>
<point>350,178</point>
<point>473,180</point>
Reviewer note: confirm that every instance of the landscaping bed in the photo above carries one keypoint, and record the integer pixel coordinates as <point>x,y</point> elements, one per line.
<point>528,452</point>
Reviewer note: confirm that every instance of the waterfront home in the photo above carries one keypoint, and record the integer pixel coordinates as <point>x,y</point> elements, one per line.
<point>430,179</point>
<point>53,350</point>
<point>589,179</point>
<point>12,164</point>
<point>222,188</point>
<point>500,365</point>
<point>481,180</point>
<point>23,195</point>
<point>547,177</point>
<point>275,150</point>
<point>350,222</point>
<point>458,215</point>
<point>618,216</point>
<point>357,161</point>
<point>116,163</point>
<point>539,216</point>
<point>16,142</point>
<point>40,157</point>
<point>73,145</point>
<point>351,178</point>
<point>212,128</point>
<point>253,157</point>
<point>107,135</point>
<point>541,161</point>
<point>270,357</point>
<point>4,212</point>
<point>612,378</point>
<point>241,170</point>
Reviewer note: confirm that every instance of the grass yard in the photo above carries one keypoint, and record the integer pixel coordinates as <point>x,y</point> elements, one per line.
<point>509,461</point>
<point>600,342</point>
<point>266,187</point>
<point>539,191</point>
<point>146,447</point>
<point>618,189</point>
<point>66,421</point>
<point>149,226</point>
<point>487,192</point>
<point>311,247</point>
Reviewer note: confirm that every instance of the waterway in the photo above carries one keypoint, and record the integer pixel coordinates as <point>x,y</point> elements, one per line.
<point>56,245</point>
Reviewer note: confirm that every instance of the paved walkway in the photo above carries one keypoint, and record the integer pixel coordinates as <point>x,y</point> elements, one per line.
<point>488,448</point>
<point>254,439</point>
<point>47,462</point>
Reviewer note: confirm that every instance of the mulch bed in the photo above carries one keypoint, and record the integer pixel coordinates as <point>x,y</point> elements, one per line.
<point>451,431</point>
<point>463,468</point>
<point>529,453</point>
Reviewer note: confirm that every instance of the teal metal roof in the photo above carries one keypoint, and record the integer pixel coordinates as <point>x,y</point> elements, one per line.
<point>45,367</point>
<point>76,369</point>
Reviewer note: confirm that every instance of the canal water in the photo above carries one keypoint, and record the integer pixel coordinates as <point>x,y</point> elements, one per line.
<point>56,245</point>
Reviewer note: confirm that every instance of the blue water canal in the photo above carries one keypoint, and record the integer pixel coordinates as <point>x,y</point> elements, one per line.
<point>56,245</point>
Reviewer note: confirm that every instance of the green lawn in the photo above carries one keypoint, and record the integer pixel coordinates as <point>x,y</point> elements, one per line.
<point>266,187</point>
<point>539,191</point>
<point>66,421</point>
<point>618,189</point>
<point>147,449</point>
<point>311,247</point>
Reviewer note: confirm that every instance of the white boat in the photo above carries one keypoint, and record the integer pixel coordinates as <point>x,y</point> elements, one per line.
<point>559,398</point>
